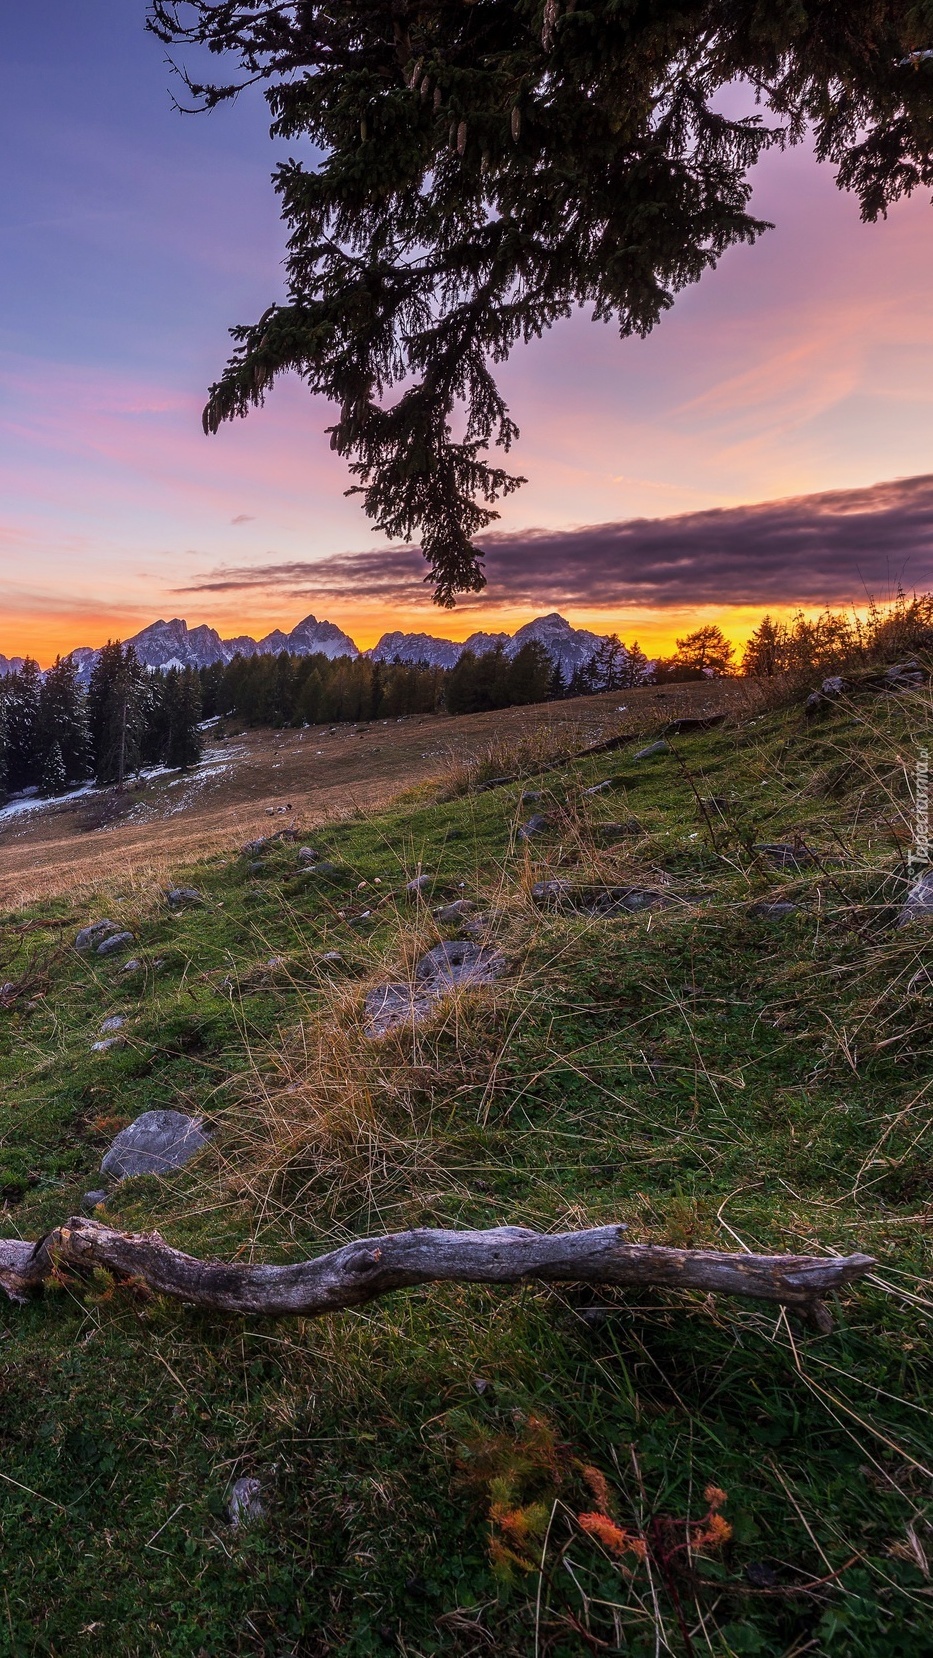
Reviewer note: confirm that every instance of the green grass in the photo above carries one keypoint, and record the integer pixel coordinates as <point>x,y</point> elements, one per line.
<point>708,1076</point>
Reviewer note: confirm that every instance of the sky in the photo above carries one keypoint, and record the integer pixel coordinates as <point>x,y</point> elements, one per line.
<point>769,445</point>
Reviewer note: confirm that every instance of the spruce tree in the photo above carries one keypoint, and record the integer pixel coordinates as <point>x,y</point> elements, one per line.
<point>482,169</point>
<point>63,718</point>
<point>118,701</point>
<point>21,693</point>
<point>184,744</point>
<point>54,777</point>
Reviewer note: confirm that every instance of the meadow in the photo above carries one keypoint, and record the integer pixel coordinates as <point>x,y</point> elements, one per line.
<point>461,1470</point>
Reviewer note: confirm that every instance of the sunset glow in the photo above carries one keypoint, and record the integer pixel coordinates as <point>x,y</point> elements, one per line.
<point>803,365</point>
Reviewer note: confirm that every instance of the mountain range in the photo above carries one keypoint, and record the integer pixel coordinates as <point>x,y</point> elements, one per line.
<point>174,645</point>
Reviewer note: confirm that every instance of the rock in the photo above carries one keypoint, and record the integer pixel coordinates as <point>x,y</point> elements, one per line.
<point>323,870</point>
<point>610,832</point>
<point>458,961</point>
<point>245,1505</point>
<point>257,867</point>
<point>89,937</point>
<point>179,897</point>
<point>107,1043</point>
<point>115,1022</point>
<point>117,941</point>
<point>417,887</point>
<point>679,728</point>
<point>253,848</point>
<point>91,1200</point>
<point>308,855</point>
<point>536,825</point>
<point>448,966</point>
<point>450,913</point>
<point>330,958</point>
<point>530,796</point>
<point>155,1143</point>
<point>772,911</point>
<point>918,905</point>
<point>660,747</point>
<point>593,899</point>
<point>833,686</point>
<point>598,788</point>
<point>783,856</point>
<point>133,965</point>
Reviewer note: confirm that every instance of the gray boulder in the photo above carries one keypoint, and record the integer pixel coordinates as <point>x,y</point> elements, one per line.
<point>179,898</point>
<point>536,825</point>
<point>594,899</point>
<point>116,941</point>
<point>133,965</point>
<point>115,1022</point>
<point>660,747</point>
<point>450,913</point>
<point>90,1201</point>
<point>777,910</point>
<point>106,1043</point>
<point>460,961</point>
<point>308,855</point>
<point>155,1143</point>
<point>419,886</point>
<point>245,1505</point>
<point>90,936</point>
<point>252,849</point>
<point>918,905</point>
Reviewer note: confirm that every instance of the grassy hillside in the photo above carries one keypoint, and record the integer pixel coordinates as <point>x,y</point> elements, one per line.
<point>709,1073</point>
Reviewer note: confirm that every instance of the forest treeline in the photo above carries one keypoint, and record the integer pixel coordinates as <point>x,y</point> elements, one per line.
<point>56,733</point>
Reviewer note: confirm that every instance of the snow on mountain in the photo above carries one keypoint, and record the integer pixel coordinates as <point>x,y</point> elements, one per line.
<point>569,646</point>
<point>416,647</point>
<point>174,645</point>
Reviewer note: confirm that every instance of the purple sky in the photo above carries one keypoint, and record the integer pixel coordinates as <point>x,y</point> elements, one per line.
<point>133,237</point>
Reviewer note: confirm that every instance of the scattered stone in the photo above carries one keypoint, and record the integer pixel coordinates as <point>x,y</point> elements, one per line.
<point>89,937</point>
<point>458,961</point>
<point>92,1201</point>
<point>599,788</point>
<point>308,855</point>
<point>679,728</point>
<point>117,941</point>
<point>245,1505</point>
<point>786,857</point>
<point>257,867</point>
<point>530,796</point>
<point>133,965</point>
<point>918,905</point>
<point>609,832</point>
<point>447,967</point>
<point>115,1022</point>
<point>536,825</point>
<point>417,887</point>
<point>253,848</point>
<point>323,870</point>
<point>660,747</point>
<point>773,911</point>
<point>331,958</point>
<point>179,897</point>
<point>449,913</point>
<point>155,1143</point>
<point>107,1043</point>
<point>600,900</point>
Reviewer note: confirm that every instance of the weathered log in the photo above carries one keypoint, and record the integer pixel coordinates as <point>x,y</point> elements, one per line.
<point>370,1267</point>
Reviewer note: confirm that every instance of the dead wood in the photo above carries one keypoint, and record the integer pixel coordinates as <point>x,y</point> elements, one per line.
<point>370,1267</point>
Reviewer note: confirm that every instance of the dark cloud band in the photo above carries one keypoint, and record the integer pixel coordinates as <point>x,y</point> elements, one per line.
<point>832,548</point>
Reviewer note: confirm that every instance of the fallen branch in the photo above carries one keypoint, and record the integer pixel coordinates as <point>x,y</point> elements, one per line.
<point>371,1267</point>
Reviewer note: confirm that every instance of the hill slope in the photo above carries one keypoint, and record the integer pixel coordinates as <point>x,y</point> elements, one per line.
<point>708,1068</point>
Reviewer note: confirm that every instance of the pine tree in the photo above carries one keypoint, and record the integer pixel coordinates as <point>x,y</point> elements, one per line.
<point>483,170</point>
<point>21,693</point>
<point>184,743</point>
<point>54,776</point>
<point>118,706</point>
<point>63,718</point>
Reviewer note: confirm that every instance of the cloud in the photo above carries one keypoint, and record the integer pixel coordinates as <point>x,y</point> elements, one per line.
<point>243,518</point>
<point>830,548</point>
